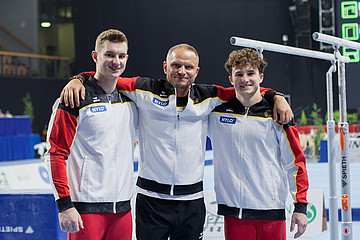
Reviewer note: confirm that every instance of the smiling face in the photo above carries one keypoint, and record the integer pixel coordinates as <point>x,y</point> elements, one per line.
<point>246,68</point>
<point>110,59</point>
<point>181,68</point>
<point>246,79</point>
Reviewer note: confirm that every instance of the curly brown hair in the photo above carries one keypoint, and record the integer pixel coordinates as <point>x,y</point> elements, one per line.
<point>243,57</point>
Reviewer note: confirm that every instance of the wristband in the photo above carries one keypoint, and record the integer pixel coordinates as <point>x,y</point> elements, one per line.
<point>77,77</point>
<point>64,203</point>
<point>280,94</point>
<point>300,207</point>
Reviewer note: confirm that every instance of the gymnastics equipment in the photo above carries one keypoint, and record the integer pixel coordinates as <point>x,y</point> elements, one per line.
<point>260,46</point>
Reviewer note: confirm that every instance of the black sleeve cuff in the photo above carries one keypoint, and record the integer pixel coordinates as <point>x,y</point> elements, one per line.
<point>84,77</point>
<point>269,96</point>
<point>300,207</point>
<point>64,203</point>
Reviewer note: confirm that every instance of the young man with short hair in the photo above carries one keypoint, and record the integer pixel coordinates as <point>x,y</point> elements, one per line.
<point>255,158</point>
<point>90,150</point>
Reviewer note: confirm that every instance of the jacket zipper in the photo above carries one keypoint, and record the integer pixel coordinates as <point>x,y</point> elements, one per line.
<point>176,126</point>
<point>175,155</point>
<point>110,108</point>
<point>241,139</point>
<point>177,121</point>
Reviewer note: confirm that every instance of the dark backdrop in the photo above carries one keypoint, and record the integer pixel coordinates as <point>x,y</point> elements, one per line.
<point>43,93</point>
<point>152,27</point>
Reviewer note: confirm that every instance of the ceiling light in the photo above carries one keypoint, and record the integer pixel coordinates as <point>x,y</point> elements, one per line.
<point>45,24</point>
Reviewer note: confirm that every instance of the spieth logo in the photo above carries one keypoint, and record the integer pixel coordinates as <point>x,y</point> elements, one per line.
<point>160,102</point>
<point>96,109</point>
<point>228,120</point>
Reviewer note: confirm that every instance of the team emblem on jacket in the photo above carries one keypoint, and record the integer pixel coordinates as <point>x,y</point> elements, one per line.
<point>268,113</point>
<point>228,120</point>
<point>196,100</point>
<point>98,108</point>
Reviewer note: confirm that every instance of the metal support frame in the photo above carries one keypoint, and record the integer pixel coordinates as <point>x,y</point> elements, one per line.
<point>346,218</point>
<point>346,215</point>
<point>333,209</point>
<point>343,125</point>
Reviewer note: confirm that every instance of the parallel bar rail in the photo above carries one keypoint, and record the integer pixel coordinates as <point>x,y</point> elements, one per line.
<point>273,47</point>
<point>335,41</point>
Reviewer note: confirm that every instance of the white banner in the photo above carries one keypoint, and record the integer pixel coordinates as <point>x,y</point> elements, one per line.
<point>24,175</point>
<point>214,224</point>
<point>315,212</point>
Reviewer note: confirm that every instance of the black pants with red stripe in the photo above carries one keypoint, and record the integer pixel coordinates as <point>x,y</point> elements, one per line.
<point>159,219</point>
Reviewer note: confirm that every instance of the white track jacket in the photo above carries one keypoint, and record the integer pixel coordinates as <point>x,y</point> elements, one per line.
<point>90,152</point>
<point>256,161</point>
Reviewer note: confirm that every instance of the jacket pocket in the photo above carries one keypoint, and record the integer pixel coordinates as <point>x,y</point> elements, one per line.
<point>84,175</point>
<point>273,187</point>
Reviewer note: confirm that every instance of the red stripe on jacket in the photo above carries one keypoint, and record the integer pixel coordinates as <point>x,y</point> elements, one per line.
<point>61,138</point>
<point>301,178</point>
<point>126,84</point>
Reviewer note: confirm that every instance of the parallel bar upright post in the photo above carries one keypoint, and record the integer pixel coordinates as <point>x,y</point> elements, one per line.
<point>333,208</point>
<point>346,218</point>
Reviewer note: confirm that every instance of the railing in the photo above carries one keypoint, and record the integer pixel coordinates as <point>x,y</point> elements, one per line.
<point>34,65</point>
<point>17,39</point>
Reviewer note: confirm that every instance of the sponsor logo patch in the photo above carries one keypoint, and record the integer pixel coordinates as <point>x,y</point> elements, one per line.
<point>99,108</point>
<point>160,102</point>
<point>228,120</point>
